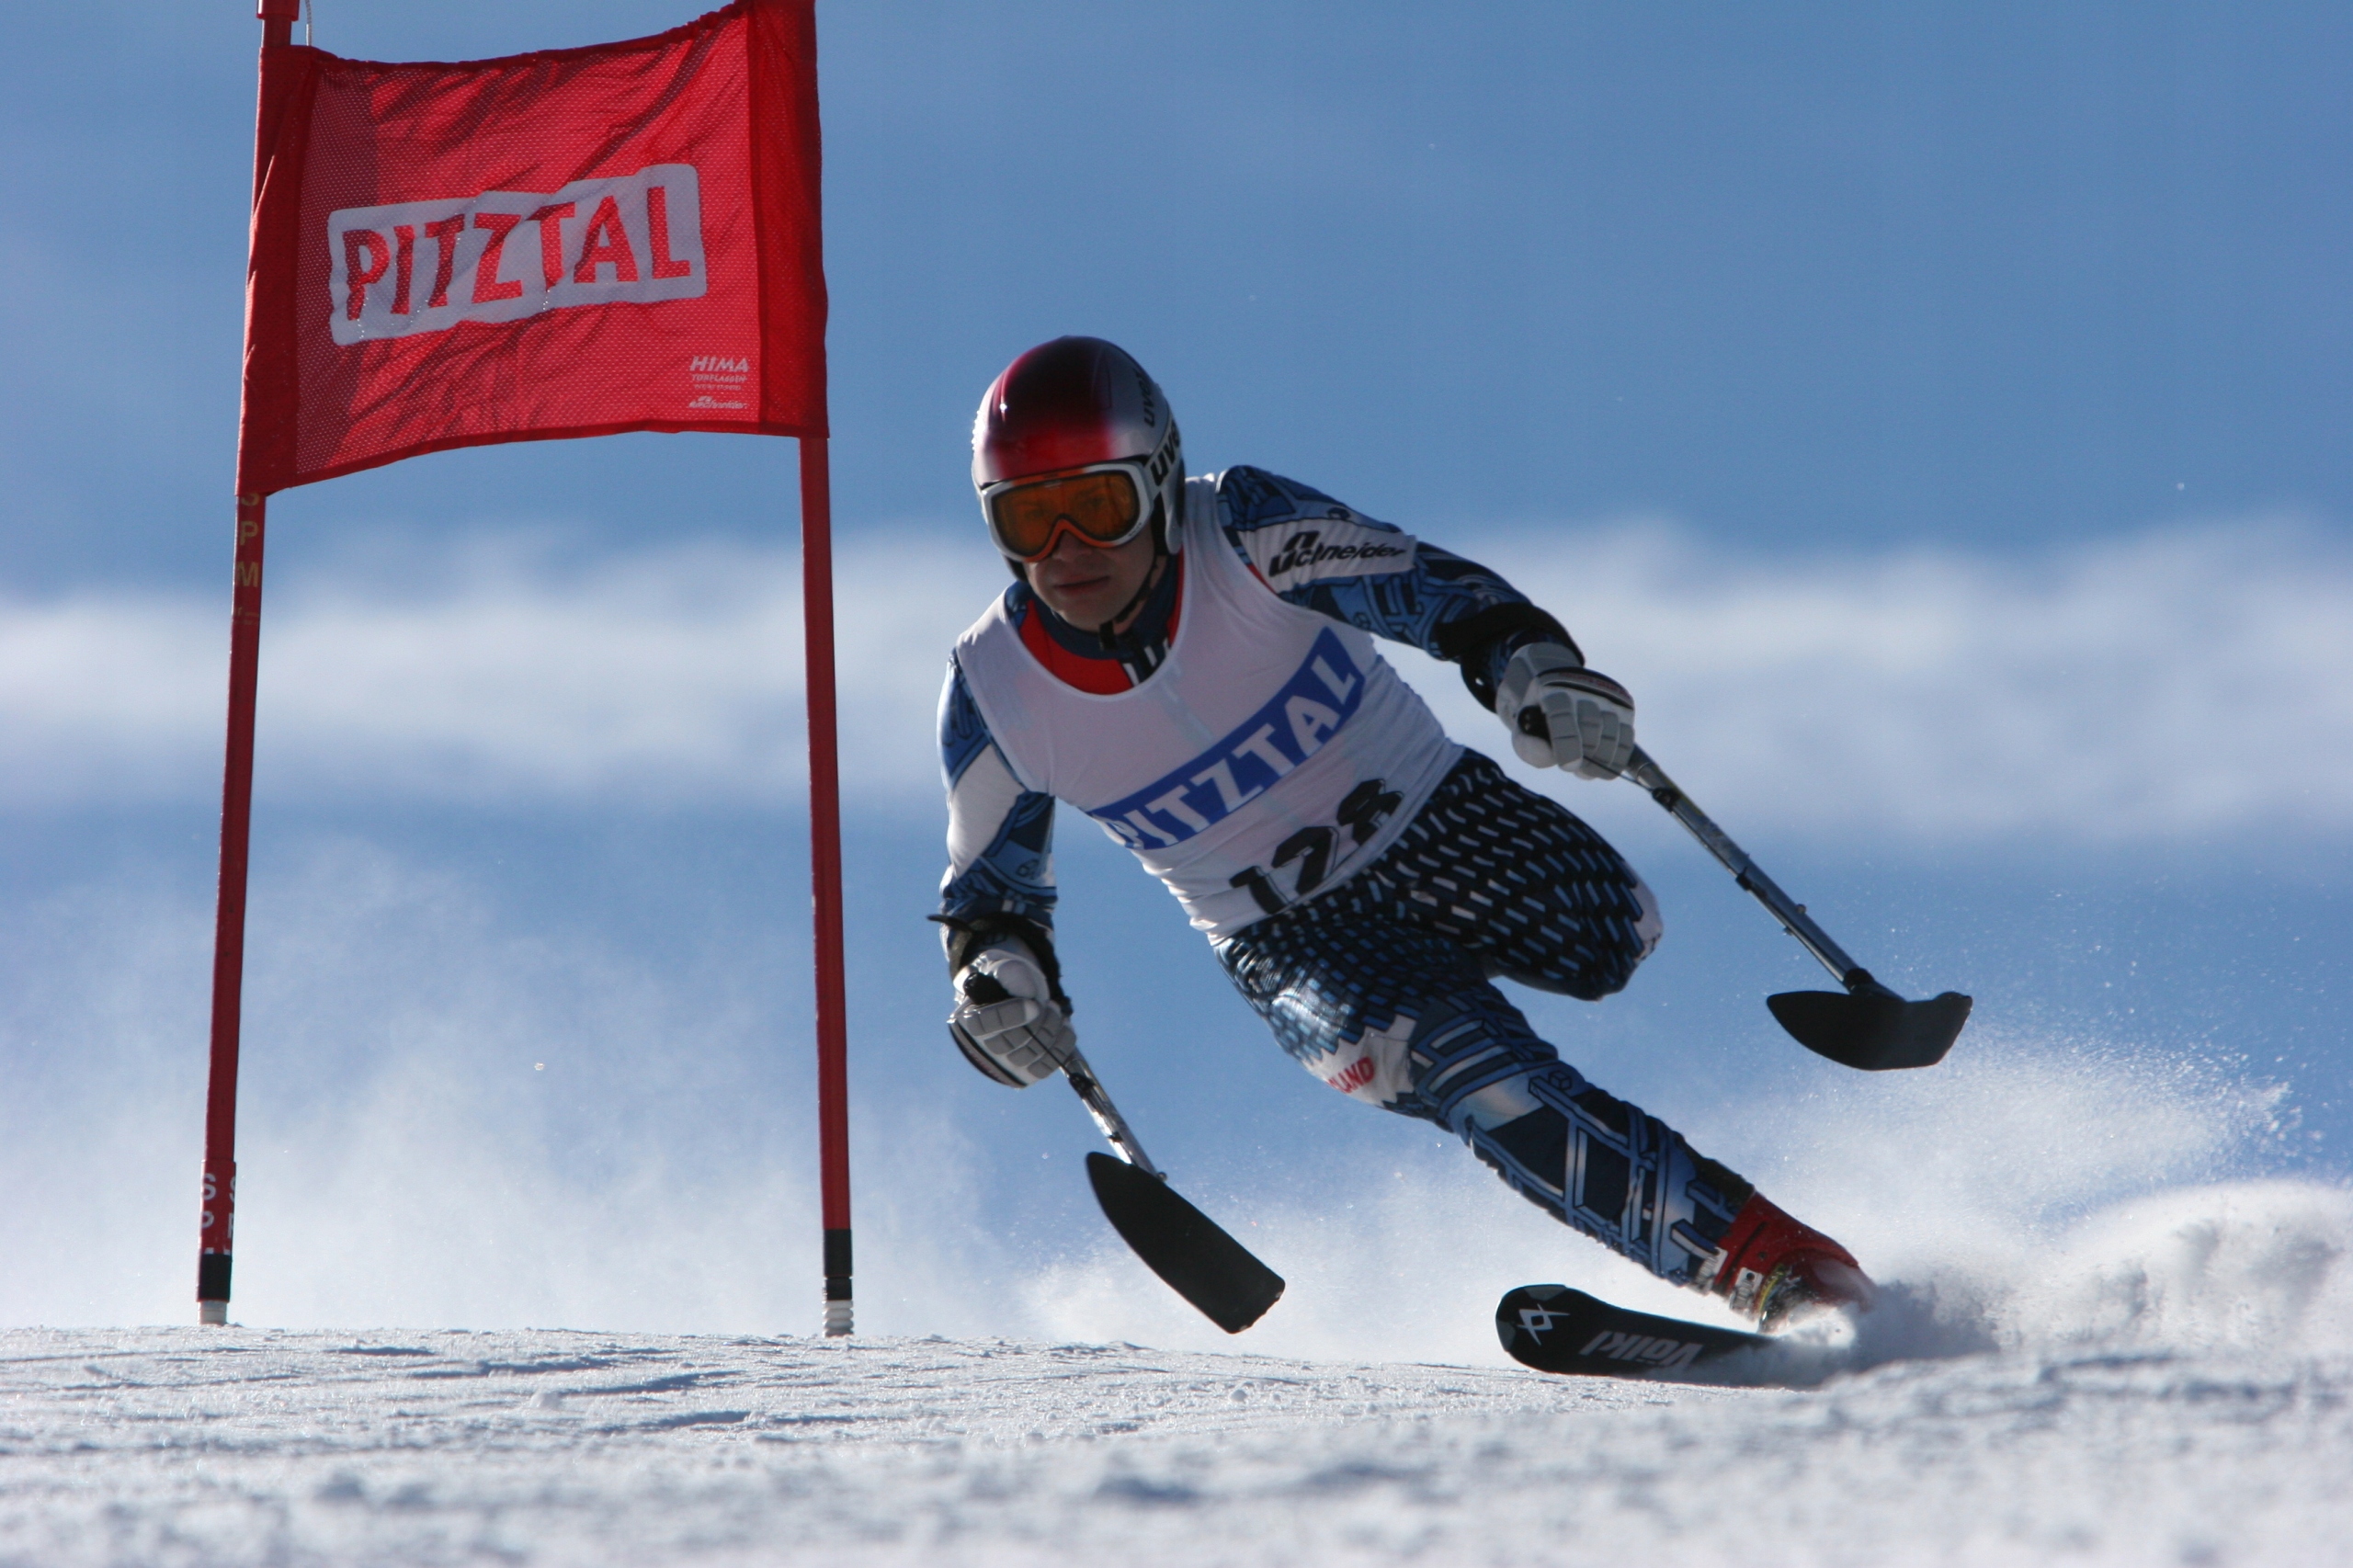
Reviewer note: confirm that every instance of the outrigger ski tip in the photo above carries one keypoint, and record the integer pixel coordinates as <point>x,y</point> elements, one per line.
<point>1555,1329</point>
<point>1869,1027</point>
<point>1176,1240</point>
<point>1183,1245</point>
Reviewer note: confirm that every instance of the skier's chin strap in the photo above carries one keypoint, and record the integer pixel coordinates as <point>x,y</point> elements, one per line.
<point>1108,634</point>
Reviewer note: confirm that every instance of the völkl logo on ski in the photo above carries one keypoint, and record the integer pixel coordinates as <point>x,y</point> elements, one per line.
<point>1555,1329</point>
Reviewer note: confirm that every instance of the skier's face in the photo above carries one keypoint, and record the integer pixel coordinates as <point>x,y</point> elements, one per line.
<point>1087,584</point>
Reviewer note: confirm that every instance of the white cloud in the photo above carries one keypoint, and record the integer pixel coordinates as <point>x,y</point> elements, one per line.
<point>2178,682</point>
<point>671,674</point>
<point>2182,682</point>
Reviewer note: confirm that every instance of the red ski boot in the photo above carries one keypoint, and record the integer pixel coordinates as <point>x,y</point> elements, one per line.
<point>1772,1268</point>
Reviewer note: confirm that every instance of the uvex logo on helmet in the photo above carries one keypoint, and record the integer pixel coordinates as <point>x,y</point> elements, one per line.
<point>1075,402</point>
<point>1165,457</point>
<point>502,255</point>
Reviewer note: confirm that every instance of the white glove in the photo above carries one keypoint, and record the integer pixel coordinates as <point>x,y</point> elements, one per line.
<point>1006,1019</point>
<point>1562,715</point>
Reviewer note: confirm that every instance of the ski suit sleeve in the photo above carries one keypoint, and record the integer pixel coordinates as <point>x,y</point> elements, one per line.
<point>1319,554</point>
<point>1000,878</point>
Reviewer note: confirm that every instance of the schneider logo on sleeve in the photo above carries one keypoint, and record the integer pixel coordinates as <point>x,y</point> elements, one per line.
<point>420,267</point>
<point>1304,551</point>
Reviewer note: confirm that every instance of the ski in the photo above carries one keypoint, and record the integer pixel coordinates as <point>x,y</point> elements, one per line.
<point>1555,1329</point>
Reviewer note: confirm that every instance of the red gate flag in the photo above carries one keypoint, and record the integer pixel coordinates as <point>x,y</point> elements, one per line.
<point>570,243</point>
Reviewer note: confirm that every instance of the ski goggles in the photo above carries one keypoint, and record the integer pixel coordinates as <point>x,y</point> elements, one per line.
<point>1103,505</point>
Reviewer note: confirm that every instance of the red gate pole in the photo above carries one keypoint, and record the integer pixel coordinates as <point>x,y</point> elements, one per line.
<point>229,922</point>
<point>217,1229</point>
<point>825,875</point>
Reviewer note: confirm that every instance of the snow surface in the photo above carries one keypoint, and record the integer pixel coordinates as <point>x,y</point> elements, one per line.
<point>2174,1385</point>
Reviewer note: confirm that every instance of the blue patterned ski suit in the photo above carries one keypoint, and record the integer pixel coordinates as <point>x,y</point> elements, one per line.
<point>1381,982</point>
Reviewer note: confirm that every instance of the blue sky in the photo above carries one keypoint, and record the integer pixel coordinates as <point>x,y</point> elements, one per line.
<point>1936,414</point>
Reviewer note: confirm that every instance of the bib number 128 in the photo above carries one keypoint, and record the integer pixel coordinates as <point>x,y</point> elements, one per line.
<point>1360,813</point>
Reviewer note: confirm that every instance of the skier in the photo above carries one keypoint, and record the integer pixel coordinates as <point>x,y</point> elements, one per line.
<point>1190,661</point>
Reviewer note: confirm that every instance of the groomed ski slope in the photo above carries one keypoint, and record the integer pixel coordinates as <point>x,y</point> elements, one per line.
<point>2180,1391</point>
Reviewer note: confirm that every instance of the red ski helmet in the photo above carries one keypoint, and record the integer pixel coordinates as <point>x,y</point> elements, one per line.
<point>1076,408</point>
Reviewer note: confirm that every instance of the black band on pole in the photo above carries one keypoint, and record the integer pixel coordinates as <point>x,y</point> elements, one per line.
<point>837,1267</point>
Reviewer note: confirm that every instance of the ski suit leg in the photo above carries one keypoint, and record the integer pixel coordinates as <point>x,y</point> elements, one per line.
<point>1381,987</point>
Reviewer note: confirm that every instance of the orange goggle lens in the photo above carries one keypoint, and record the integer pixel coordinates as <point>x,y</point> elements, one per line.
<point>1101,508</point>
